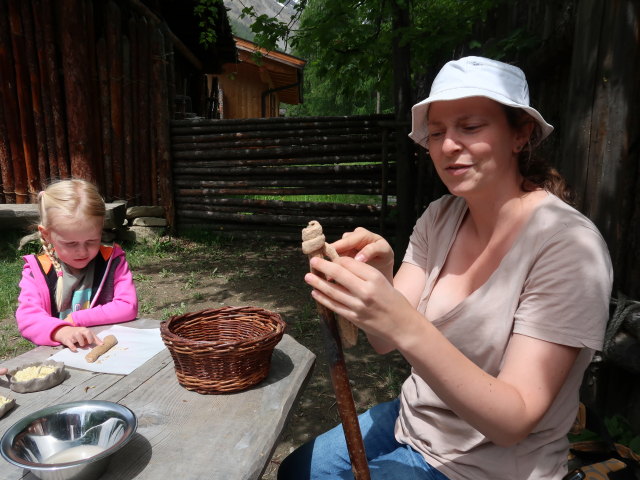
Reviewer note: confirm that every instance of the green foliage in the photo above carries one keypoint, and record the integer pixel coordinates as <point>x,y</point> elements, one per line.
<point>11,263</point>
<point>207,11</point>
<point>518,42</point>
<point>324,95</point>
<point>348,45</point>
<point>336,198</point>
<point>621,432</point>
<point>10,270</point>
<point>267,30</point>
<point>349,48</point>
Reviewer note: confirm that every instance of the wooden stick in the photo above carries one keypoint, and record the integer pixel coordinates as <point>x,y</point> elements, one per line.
<point>96,352</point>
<point>339,376</point>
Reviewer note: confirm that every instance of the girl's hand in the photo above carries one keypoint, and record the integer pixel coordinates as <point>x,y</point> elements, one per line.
<point>73,337</point>
<point>368,247</point>
<point>4,371</point>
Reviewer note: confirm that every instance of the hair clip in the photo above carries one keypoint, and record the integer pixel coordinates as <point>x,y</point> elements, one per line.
<point>59,273</point>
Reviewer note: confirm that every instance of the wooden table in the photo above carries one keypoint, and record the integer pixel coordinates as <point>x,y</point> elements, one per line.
<point>181,434</point>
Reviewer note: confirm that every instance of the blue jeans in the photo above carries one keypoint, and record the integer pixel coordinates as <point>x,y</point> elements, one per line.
<point>327,457</point>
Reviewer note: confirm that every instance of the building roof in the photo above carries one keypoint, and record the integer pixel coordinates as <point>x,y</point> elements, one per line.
<point>283,71</point>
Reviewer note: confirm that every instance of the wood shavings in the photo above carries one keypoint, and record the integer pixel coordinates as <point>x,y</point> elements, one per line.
<point>31,373</point>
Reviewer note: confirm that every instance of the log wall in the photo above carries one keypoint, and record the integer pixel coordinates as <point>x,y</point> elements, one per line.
<point>220,166</point>
<point>584,79</point>
<point>600,153</point>
<point>85,91</point>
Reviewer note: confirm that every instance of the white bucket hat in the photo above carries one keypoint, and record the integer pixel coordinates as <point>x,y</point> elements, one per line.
<point>476,77</point>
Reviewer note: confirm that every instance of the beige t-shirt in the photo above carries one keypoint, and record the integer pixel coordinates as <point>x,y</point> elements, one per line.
<point>554,284</point>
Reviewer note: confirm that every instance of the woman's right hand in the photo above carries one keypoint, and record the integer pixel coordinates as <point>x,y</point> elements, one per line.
<point>74,337</point>
<point>368,247</point>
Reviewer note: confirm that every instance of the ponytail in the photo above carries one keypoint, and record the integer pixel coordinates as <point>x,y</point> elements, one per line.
<point>50,252</point>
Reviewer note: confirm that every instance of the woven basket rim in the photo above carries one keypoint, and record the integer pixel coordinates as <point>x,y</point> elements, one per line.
<point>217,366</point>
<point>273,316</point>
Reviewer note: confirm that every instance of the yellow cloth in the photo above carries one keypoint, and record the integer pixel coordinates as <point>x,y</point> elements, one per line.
<point>600,471</point>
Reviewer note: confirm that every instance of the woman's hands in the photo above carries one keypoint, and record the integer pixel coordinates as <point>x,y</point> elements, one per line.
<point>362,295</point>
<point>360,287</point>
<point>73,337</point>
<point>368,247</point>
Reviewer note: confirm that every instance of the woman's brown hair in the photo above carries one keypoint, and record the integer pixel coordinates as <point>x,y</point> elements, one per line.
<point>536,171</point>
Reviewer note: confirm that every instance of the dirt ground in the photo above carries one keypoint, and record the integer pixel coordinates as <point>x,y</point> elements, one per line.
<point>185,277</point>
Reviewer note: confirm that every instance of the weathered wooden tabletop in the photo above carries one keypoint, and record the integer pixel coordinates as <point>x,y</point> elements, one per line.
<point>181,434</point>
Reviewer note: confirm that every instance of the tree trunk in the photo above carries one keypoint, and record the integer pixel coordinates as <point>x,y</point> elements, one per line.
<point>406,171</point>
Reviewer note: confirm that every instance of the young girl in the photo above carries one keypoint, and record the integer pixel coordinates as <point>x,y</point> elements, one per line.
<point>76,282</point>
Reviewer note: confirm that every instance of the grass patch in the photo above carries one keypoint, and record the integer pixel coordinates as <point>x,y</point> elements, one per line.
<point>173,310</point>
<point>338,198</point>
<point>306,323</point>
<point>11,342</point>
<point>10,271</point>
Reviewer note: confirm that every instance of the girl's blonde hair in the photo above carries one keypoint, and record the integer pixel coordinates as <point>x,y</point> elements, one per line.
<point>73,198</point>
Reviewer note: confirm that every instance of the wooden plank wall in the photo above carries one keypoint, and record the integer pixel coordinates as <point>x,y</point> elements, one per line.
<point>600,129</point>
<point>600,154</point>
<point>218,163</point>
<point>584,79</point>
<point>85,92</point>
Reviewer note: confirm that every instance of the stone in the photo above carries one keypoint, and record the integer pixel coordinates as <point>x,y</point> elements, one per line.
<point>126,235</point>
<point>24,241</point>
<point>116,213</point>
<point>149,222</point>
<point>142,211</point>
<point>141,234</point>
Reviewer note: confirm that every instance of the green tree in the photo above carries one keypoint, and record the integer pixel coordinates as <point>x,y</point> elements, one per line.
<point>349,46</point>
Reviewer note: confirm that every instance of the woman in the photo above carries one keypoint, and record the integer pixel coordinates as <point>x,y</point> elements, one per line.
<point>499,304</point>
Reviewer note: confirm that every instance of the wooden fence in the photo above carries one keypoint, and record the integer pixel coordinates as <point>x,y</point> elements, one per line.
<point>224,169</point>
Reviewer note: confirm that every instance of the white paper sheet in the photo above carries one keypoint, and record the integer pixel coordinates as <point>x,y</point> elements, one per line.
<point>135,346</point>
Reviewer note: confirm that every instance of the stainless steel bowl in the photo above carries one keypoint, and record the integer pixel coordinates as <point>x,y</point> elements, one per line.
<point>70,441</point>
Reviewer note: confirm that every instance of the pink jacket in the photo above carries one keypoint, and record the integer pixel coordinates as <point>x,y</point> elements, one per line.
<point>114,299</point>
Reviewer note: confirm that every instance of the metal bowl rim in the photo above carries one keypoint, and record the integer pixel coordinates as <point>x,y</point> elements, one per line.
<point>13,430</point>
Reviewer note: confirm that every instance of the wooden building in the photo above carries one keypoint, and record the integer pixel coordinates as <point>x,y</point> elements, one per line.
<point>257,83</point>
<point>88,88</point>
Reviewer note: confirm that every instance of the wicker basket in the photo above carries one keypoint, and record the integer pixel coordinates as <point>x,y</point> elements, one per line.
<point>222,350</point>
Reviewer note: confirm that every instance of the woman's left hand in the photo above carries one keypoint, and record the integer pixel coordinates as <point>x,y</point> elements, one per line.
<point>362,295</point>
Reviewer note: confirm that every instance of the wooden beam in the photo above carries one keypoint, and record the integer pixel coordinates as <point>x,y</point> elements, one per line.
<point>177,43</point>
